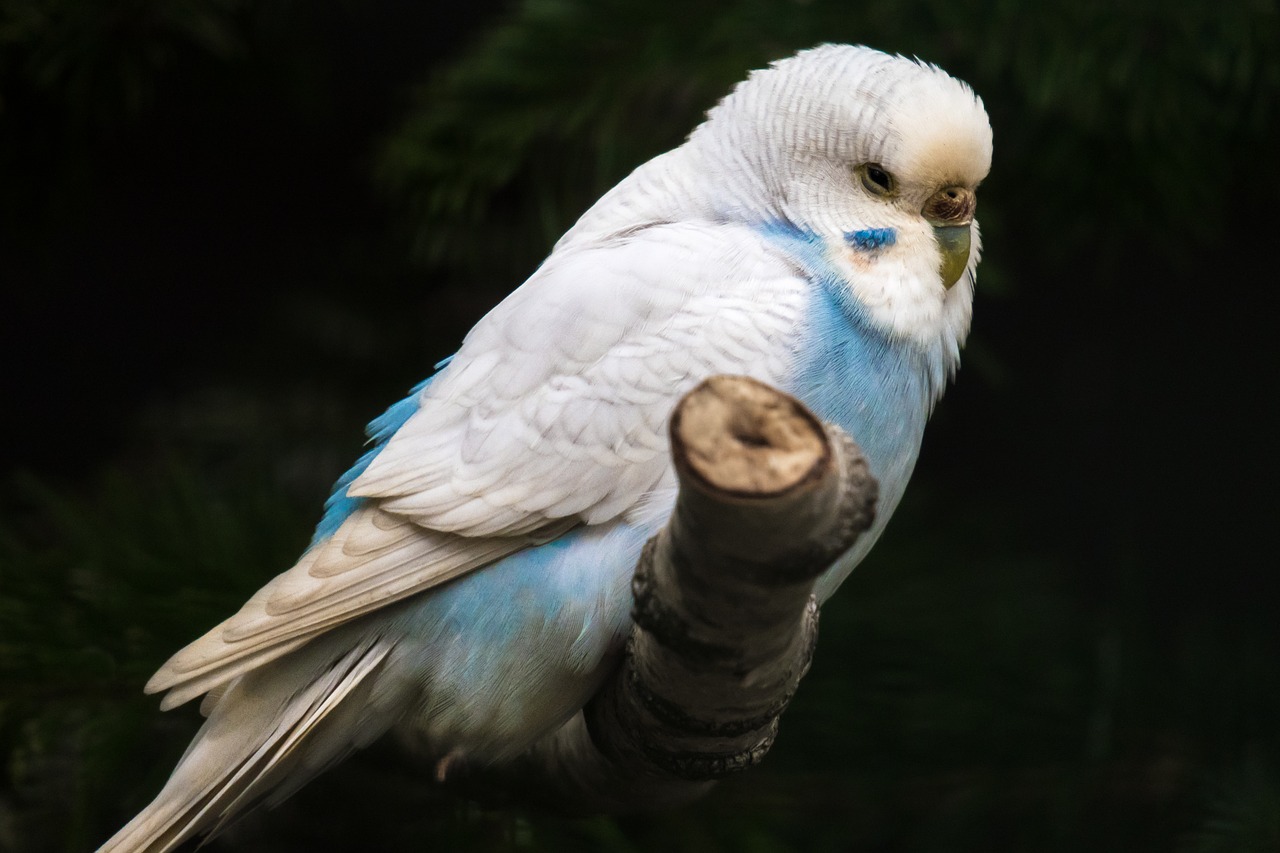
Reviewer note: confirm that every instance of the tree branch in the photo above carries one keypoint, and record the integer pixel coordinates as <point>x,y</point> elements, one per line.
<point>725,620</point>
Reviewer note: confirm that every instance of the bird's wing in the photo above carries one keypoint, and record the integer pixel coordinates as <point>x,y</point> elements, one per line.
<point>556,404</point>
<point>372,560</point>
<point>551,414</point>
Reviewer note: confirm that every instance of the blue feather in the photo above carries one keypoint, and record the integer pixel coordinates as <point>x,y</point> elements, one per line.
<point>339,506</point>
<point>869,239</point>
<point>521,645</point>
<point>853,373</point>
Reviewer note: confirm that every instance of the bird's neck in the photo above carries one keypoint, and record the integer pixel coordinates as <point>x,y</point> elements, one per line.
<point>851,371</point>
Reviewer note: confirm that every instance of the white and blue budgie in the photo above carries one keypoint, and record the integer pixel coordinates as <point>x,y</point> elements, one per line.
<point>470,581</point>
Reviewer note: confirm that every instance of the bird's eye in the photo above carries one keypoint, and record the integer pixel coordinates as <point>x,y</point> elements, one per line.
<point>875,179</point>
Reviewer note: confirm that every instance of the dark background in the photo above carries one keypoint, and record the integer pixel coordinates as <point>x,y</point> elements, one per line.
<point>231,233</point>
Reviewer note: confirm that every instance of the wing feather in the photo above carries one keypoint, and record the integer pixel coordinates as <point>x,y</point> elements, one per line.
<point>249,745</point>
<point>578,373</point>
<point>374,560</point>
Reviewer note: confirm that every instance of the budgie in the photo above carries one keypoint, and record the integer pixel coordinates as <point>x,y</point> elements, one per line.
<point>468,584</point>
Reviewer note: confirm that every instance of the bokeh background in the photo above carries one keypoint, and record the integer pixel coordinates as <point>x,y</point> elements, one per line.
<point>233,232</point>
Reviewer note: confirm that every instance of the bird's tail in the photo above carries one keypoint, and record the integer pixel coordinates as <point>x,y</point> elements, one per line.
<point>269,732</point>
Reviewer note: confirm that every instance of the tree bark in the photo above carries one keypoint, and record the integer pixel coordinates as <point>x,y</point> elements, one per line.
<point>724,617</point>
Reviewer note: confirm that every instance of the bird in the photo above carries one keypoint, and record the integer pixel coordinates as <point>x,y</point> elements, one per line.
<point>468,585</point>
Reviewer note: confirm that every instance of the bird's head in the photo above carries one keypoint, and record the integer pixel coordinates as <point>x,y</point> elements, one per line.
<point>877,156</point>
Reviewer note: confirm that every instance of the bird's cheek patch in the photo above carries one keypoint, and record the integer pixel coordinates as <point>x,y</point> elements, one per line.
<point>870,239</point>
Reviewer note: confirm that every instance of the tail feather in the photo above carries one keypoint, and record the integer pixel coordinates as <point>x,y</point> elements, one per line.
<point>264,734</point>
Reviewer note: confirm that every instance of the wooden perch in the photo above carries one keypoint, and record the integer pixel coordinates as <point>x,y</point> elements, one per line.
<point>725,620</point>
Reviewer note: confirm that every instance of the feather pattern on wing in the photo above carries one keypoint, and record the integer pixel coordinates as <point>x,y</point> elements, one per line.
<point>557,402</point>
<point>374,559</point>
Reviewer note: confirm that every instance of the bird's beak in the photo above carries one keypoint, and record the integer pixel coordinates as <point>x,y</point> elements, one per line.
<point>953,240</point>
<point>950,212</point>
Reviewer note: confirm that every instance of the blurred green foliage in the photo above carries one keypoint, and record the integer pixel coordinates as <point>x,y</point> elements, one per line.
<point>93,591</point>
<point>1064,642</point>
<point>102,61</point>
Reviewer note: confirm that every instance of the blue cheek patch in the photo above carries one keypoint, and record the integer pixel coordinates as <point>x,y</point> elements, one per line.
<point>870,239</point>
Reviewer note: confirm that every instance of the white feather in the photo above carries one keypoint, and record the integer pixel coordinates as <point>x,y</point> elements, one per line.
<point>584,364</point>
